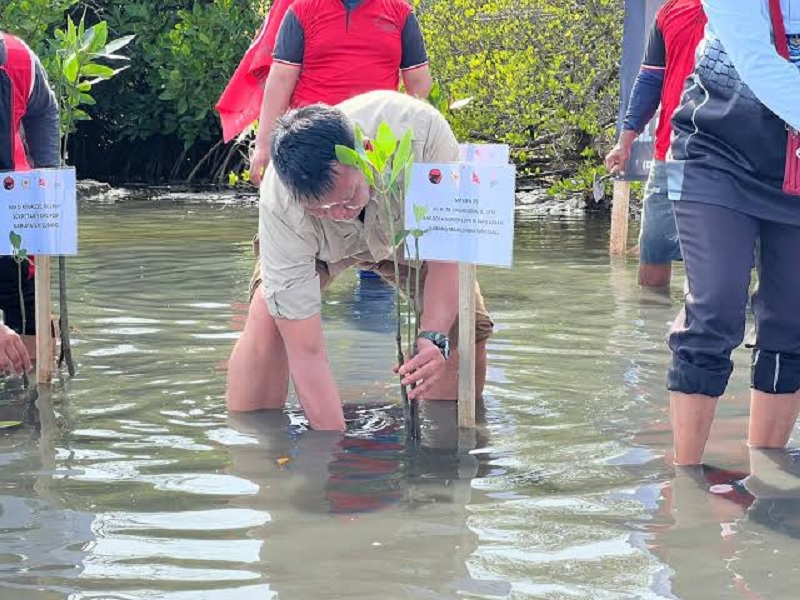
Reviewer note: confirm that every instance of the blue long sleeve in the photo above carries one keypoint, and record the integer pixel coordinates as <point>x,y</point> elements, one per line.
<point>645,99</point>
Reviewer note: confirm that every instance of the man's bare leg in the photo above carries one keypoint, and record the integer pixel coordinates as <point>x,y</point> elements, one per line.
<point>772,419</point>
<point>258,370</point>
<point>447,387</point>
<point>692,416</point>
<point>655,275</point>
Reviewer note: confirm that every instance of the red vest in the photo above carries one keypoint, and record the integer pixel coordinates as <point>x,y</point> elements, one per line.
<point>19,67</point>
<point>349,54</point>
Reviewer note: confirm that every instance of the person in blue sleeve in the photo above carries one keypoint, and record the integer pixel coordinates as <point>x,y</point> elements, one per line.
<point>669,58</point>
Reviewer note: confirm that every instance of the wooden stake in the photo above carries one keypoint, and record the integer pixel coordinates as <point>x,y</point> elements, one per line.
<point>619,217</point>
<point>44,338</point>
<point>466,345</point>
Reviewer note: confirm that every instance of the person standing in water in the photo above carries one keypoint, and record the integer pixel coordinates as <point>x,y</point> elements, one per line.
<point>668,61</point>
<point>726,172</point>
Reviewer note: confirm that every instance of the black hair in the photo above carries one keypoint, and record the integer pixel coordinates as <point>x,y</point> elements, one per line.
<point>303,148</point>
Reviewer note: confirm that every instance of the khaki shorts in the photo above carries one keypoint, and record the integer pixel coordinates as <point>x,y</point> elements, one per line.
<point>484,326</point>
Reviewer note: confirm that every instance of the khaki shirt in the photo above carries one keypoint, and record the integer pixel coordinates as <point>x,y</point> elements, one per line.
<point>292,240</point>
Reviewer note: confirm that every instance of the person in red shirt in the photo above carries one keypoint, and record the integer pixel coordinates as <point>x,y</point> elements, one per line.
<point>331,50</point>
<point>27,103</point>
<point>669,59</point>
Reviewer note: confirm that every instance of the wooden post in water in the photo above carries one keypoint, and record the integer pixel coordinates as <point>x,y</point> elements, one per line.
<point>466,345</point>
<point>44,337</point>
<point>619,217</point>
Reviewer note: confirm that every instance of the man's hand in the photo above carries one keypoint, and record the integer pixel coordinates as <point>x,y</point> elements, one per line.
<point>619,155</point>
<point>259,163</point>
<point>14,359</point>
<point>424,369</point>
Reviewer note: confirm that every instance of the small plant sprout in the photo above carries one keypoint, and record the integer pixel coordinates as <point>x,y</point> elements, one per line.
<point>386,162</point>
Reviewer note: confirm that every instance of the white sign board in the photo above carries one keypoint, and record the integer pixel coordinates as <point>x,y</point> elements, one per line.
<point>40,206</point>
<point>467,209</point>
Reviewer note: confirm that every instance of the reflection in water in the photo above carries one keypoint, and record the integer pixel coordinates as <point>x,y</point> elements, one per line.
<point>130,482</point>
<point>735,531</point>
<point>364,507</point>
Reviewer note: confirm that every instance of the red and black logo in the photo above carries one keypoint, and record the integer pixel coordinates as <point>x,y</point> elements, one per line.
<point>435,176</point>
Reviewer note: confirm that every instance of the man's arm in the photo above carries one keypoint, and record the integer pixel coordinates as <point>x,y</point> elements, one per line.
<point>414,62</point>
<point>292,291</point>
<point>440,300</point>
<point>644,100</point>
<point>41,121</point>
<point>745,32</point>
<point>311,372</point>
<point>278,89</point>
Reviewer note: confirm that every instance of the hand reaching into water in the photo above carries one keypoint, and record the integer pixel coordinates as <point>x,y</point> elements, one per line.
<point>14,359</point>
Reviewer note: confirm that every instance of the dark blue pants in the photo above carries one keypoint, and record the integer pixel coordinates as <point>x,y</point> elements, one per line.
<point>719,253</point>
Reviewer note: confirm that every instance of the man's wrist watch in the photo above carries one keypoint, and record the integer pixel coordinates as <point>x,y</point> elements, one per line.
<point>438,339</point>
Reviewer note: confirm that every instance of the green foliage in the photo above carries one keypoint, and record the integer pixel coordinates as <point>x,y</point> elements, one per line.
<point>34,20</point>
<point>583,179</point>
<point>183,57</point>
<point>543,74</point>
<point>76,70</point>
<point>539,75</point>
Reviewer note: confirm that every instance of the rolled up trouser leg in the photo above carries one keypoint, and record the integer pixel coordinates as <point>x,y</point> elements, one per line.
<point>718,245</point>
<point>775,367</point>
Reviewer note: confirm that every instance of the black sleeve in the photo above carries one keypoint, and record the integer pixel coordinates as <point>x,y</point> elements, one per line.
<point>655,54</point>
<point>42,122</point>
<point>414,53</point>
<point>291,42</point>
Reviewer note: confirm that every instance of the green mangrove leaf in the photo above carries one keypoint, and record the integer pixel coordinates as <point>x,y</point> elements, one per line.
<point>400,236</point>
<point>348,156</point>
<point>385,141</point>
<point>403,156</point>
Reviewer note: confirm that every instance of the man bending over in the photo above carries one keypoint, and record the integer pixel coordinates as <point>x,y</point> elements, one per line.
<point>317,218</point>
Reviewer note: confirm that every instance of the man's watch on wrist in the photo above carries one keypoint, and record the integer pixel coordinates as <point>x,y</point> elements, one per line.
<point>438,339</point>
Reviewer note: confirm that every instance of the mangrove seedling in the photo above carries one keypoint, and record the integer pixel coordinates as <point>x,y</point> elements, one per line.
<point>386,163</point>
<point>78,52</point>
<point>20,256</point>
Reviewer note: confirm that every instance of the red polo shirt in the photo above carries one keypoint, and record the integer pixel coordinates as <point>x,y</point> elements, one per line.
<point>346,47</point>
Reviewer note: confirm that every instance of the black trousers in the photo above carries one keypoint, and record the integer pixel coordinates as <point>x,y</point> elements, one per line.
<point>718,246</point>
<point>10,299</point>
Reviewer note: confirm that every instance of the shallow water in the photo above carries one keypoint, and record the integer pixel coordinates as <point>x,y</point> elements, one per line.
<point>131,482</point>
